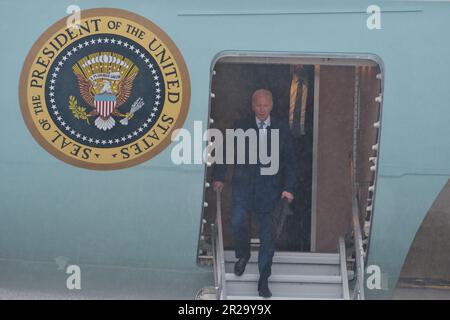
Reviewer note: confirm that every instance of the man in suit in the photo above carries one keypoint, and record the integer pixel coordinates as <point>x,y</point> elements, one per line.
<point>256,192</point>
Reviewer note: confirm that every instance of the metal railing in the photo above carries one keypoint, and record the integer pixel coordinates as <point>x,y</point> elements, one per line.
<point>218,250</point>
<point>343,268</point>
<point>358,292</point>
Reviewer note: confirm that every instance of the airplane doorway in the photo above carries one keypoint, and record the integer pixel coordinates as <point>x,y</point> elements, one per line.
<point>332,114</point>
<point>233,86</point>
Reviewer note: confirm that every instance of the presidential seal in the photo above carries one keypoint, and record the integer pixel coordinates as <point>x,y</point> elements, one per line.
<point>105,94</point>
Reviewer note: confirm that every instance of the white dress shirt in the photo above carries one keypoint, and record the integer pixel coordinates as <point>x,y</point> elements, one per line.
<point>266,123</point>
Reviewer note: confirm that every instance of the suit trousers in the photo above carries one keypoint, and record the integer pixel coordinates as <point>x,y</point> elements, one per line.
<point>241,237</point>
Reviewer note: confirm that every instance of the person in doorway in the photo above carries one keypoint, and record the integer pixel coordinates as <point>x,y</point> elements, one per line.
<point>256,192</point>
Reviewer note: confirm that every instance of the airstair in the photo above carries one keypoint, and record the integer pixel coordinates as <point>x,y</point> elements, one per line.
<point>295,275</point>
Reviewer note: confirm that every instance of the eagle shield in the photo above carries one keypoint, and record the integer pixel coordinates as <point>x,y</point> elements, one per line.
<point>106,81</point>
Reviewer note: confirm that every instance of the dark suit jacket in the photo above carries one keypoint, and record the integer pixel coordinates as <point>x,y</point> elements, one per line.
<point>257,192</point>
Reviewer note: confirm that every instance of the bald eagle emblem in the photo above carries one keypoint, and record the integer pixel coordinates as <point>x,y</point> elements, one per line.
<point>105,80</point>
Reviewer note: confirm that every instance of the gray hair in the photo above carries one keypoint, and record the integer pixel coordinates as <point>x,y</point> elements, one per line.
<point>261,92</point>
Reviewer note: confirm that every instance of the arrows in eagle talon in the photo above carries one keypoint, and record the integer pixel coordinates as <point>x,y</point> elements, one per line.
<point>138,104</point>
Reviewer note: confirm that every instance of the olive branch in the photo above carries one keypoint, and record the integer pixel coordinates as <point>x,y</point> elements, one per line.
<point>78,112</point>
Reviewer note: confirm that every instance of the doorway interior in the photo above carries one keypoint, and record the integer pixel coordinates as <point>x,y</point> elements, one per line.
<point>331,114</point>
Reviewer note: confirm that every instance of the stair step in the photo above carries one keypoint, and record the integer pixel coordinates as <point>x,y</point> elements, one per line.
<point>312,287</point>
<point>285,278</point>
<point>292,257</point>
<point>290,268</point>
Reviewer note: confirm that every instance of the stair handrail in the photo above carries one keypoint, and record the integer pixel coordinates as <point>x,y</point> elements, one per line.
<point>343,268</point>
<point>218,250</point>
<point>358,292</point>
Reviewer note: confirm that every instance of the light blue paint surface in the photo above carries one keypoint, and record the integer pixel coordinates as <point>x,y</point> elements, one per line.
<point>148,216</point>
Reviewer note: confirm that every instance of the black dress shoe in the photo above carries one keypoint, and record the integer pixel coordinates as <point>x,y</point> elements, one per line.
<point>263,289</point>
<point>239,266</point>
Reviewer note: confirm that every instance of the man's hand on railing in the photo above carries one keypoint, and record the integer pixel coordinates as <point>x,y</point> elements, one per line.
<point>289,196</point>
<point>218,185</point>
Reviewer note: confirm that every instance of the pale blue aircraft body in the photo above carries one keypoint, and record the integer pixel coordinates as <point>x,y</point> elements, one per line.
<point>134,231</point>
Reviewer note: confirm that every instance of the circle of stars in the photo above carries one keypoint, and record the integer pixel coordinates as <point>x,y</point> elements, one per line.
<point>117,140</point>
